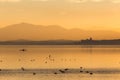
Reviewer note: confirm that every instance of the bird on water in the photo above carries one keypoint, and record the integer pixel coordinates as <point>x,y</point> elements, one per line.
<point>23,50</point>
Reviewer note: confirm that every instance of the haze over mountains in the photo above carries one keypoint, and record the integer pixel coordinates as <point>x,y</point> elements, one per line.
<point>53,32</point>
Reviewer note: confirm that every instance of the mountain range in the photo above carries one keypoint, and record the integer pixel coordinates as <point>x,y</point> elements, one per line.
<point>27,31</point>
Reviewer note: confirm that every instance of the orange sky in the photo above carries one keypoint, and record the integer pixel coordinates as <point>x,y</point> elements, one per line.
<point>86,14</point>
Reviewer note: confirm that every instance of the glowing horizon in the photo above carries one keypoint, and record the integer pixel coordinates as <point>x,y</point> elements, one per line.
<point>83,14</point>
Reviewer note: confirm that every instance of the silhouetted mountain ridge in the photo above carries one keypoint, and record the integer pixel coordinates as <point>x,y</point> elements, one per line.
<point>28,31</point>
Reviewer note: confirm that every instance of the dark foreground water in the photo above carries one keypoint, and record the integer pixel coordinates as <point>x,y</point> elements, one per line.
<point>60,63</point>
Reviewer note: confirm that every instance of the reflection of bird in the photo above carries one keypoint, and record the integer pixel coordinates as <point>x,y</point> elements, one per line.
<point>1,61</point>
<point>51,59</point>
<point>81,69</point>
<point>32,60</point>
<point>49,56</point>
<point>19,59</point>
<point>46,62</point>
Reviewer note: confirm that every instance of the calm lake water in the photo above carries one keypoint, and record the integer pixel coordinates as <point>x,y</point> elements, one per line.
<point>45,62</point>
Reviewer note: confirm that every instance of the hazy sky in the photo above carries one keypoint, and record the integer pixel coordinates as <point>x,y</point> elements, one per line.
<point>84,14</point>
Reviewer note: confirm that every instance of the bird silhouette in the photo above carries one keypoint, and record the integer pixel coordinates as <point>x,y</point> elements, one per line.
<point>23,50</point>
<point>34,73</point>
<point>62,71</point>
<point>55,72</point>
<point>87,71</point>
<point>22,69</point>
<point>81,71</point>
<point>91,73</point>
<point>81,67</point>
<point>66,69</point>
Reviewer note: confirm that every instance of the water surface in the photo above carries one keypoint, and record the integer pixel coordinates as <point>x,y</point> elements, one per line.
<point>103,61</point>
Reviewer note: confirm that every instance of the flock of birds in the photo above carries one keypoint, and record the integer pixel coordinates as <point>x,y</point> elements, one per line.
<point>82,70</point>
<point>50,58</point>
<point>63,71</point>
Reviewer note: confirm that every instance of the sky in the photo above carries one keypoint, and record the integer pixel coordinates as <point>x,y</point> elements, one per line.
<point>83,14</point>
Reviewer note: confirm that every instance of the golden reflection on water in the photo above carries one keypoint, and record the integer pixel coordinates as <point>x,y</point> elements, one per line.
<point>59,57</point>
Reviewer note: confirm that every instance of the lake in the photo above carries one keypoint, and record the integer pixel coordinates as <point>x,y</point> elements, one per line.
<point>99,62</point>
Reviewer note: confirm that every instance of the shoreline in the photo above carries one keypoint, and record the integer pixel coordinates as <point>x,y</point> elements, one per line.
<point>70,71</point>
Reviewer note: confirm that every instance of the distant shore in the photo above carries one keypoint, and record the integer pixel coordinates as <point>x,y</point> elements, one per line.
<point>63,42</point>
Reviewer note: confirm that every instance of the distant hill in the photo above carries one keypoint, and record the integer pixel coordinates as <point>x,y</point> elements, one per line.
<point>25,31</point>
